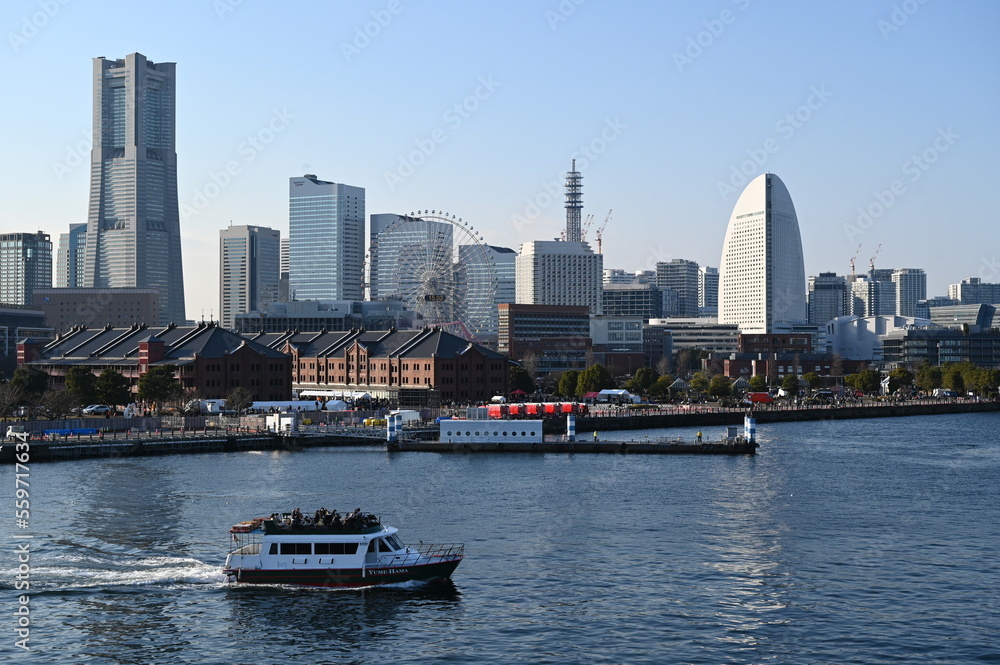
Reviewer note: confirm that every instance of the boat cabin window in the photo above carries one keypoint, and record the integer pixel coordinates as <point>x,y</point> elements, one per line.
<point>392,542</point>
<point>335,548</point>
<point>274,548</point>
<point>296,548</point>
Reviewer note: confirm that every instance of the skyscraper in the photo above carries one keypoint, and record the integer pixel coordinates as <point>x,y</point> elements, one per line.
<point>681,276</point>
<point>72,256</point>
<point>326,240</point>
<point>133,228</point>
<point>248,271</point>
<point>552,272</point>
<point>828,297</point>
<point>762,283</point>
<point>25,265</point>
<point>911,287</point>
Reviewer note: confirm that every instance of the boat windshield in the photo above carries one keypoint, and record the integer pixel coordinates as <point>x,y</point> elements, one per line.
<point>393,542</point>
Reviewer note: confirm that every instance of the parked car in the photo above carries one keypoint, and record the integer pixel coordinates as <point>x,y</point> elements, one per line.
<point>97,410</point>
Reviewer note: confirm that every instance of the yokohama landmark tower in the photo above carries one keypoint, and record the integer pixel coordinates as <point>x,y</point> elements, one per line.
<point>133,228</point>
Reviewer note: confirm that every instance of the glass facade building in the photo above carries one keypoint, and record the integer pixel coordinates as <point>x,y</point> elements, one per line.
<point>326,242</point>
<point>25,265</point>
<point>133,227</point>
<point>248,271</point>
<point>71,257</point>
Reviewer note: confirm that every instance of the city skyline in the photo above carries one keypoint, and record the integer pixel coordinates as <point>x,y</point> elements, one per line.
<point>889,143</point>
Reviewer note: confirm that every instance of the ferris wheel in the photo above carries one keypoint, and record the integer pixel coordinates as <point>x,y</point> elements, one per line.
<point>439,267</point>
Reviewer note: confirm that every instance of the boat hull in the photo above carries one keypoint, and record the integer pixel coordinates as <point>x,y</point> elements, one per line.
<point>344,577</point>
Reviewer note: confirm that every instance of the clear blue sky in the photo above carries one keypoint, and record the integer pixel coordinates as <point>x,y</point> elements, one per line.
<point>672,99</point>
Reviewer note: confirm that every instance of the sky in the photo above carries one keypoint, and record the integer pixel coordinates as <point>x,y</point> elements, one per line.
<point>880,116</point>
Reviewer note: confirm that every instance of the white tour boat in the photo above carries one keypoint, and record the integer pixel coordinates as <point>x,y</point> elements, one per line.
<point>329,552</point>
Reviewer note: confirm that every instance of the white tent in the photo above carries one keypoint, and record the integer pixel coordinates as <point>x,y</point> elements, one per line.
<point>335,405</point>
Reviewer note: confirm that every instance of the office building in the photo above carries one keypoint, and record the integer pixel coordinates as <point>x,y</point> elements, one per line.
<point>828,297</point>
<point>133,227</point>
<point>122,307</point>
<point>644,301</point>
<point>553,272</point>
<point>25,265</point>
<point>249,269</point>
<point>762,283</point>
<point>326,240</point>
<point>71,256</point>
<point>545,338</point>
<point>329,315</point>
<point>283,272</point>
<point>974,291</point>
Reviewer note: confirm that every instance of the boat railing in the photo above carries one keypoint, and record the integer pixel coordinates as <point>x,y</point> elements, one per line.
<point>438,553</point>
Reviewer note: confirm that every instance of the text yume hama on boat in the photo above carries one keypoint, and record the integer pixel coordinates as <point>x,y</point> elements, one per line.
<point>328,550</point>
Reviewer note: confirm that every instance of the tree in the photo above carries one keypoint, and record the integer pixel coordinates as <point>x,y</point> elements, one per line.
<point>643,378</point>
<point>720,386</point>
<point>158,385</point>
<point>790,384</point>
<point>113,388</point>
<point>928,378</point>
<point>519,379</point>
<point>898,378</point>
<point>57,404</point>
<point>758,383</point>
<point>594,378</point>
<point>239,399</point>
<point>953,378</point>
<point>11,395</point>
<point>868,381</point>
<point>567,383</point>
<point>661,387</point>
<point>32,381</point>
<point>81,385</point>
<point>699,382</point>
<point>814,380</point>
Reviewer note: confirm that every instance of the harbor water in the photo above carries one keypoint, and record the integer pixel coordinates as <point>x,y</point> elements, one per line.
<point>866,541</point>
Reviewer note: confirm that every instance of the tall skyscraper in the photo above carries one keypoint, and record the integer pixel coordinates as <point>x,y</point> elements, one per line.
<point>911,287</point>
<point>326,240</point>
<point>681,276</point>
<point>25,265</point>
<point>133,228</point>
<point>762,282</point>
<point>71,257</point>
<point>248,271</point>
<point>828,297</point>
<point>552,272</point>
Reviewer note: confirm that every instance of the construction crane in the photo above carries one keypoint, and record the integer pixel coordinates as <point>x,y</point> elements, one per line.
<point>871,261</point>
<point>853,259</point>
<point>599,234</point>
<point>586,227</point>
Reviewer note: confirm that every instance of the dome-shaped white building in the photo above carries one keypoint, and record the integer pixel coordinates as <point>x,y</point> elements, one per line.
<point>762,277</point>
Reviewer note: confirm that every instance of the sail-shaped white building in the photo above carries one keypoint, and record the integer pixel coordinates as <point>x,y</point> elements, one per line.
<point>762,281</point>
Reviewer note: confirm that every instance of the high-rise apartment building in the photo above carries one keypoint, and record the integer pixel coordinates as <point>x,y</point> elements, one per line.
<point>71,256</point>
<point>762,283</point>
<point>25,265</point>
<point>553,272</point>
<point>828,297</point>
<point>708,291</point>
<point>911,287</point>
<point>326,240</point>
<point>249,271</point>
<point>133,227</point>
<point>873,297</point>
<point>680,276</point>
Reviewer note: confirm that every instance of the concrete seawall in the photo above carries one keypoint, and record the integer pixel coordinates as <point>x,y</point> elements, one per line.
<point>764,416</point>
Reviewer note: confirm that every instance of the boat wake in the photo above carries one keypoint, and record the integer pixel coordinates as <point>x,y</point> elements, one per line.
<point>87,569</point>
